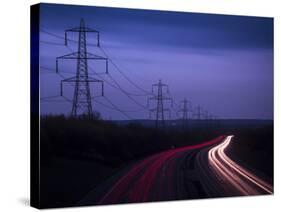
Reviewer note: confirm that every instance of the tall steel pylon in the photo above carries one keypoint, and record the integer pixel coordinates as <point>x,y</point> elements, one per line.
<point>82,99</point>
<point>197,113</point>
<point>184,110</point>
<point>160,109</point>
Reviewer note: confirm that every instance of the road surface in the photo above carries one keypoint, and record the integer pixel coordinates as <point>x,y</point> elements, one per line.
<point>191,172</point>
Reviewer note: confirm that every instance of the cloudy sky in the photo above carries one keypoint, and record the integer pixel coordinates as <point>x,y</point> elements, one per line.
<point>222,63</point>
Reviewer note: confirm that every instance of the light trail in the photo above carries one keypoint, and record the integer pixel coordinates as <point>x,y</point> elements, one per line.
<point>229,171</point>
<point>197,171</point>
<point>141,182</point>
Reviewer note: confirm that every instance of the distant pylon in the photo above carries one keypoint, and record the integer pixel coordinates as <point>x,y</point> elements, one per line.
<point>184,110</point>
<point>206,114</point>
<point>160,109</point>
<point>82,100</point>
<point>197,113</point>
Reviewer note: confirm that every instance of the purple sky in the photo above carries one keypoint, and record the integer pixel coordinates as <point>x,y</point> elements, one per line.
<point>222,63</point>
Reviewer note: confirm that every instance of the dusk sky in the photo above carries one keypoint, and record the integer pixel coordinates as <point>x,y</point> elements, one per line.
<point>222,63</point>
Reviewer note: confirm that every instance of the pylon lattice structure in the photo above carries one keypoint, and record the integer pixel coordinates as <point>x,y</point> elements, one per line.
<point>82,100</point>
<point>206,114</point>
<point>160,97</point>
<point>198,113</point>
<point>184,110</point>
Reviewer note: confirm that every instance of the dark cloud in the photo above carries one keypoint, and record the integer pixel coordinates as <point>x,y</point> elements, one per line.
<point>167,28</point>
<point>224,63</point>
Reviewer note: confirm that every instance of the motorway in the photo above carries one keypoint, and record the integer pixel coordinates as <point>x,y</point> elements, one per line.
<point>190,172</point>
<point>233,174</point>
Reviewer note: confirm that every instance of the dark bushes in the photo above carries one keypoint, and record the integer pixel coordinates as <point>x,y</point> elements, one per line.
<point>108,142</point>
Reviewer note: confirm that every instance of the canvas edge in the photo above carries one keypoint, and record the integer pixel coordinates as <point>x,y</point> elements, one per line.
<point>34,107</point>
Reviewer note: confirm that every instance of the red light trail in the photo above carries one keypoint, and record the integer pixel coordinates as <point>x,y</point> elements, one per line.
<point>151,178</point>
<point>197,171</point>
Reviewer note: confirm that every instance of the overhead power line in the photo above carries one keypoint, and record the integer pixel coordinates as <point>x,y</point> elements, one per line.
<point>118,86</point>
<point>116,108</point>
<point>111,81</point>
<point>109,58</point>
<point>123,74</point>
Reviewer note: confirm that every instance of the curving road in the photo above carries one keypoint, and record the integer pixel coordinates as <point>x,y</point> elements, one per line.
<point>198,171</point>
<point>233,174</point>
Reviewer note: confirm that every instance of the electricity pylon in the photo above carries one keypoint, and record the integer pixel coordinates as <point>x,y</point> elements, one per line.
<point>159,97</point>
<point>81,103</point>
<point>205,114</point>
<point>185,108</point>
<point>197,113</point>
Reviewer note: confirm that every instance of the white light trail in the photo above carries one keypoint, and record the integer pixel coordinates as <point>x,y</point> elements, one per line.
<point>228,170</point>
